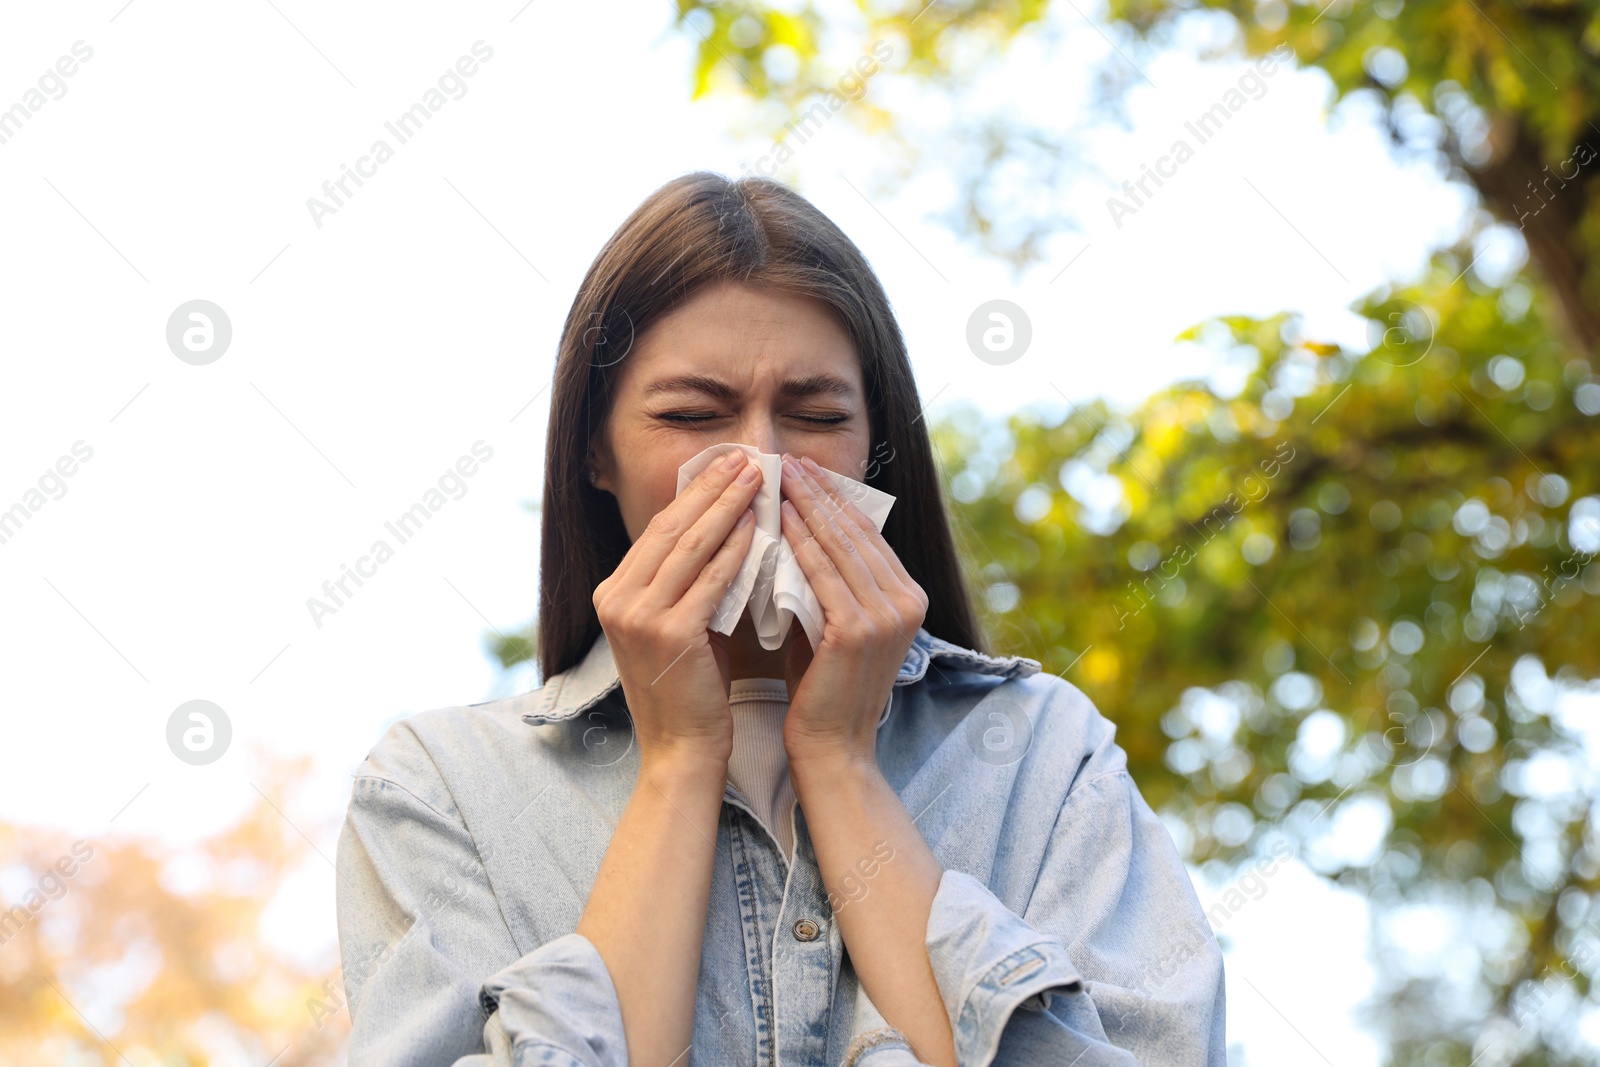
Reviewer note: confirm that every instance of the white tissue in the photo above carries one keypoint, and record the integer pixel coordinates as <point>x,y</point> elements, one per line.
<point>770,581</point>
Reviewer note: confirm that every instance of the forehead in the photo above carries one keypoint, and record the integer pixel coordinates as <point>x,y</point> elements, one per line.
<point>746,338</point>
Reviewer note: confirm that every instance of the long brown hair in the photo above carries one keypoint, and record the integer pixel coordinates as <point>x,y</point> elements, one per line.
<point>694,230</point>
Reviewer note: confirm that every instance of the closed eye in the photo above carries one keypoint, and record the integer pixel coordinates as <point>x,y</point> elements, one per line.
<point>692,417</point>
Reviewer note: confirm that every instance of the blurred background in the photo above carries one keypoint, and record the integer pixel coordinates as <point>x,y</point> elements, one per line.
<point>1282,444</point>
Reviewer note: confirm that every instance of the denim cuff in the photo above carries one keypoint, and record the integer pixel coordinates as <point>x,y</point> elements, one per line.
<point>881,1047</point>
<point>876,1043</point>
<point>987,962</point>
<point>558,1001</point>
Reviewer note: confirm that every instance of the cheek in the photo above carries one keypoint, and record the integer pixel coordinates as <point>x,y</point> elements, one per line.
<point>649,484</point>
<point>850,456</point>
<point>643,502</point>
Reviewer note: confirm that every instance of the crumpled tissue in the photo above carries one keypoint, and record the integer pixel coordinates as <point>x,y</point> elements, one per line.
<point>770,581</point>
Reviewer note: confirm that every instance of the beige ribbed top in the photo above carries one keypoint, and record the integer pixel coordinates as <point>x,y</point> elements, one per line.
<point>759,766</point>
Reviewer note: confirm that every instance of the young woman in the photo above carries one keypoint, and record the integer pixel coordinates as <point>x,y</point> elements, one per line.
<point>890,849</point>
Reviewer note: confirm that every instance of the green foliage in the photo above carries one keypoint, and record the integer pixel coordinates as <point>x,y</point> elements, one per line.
<point>1346,582</point>
<point>512,649</point>
<point>739,34</point>
<point>1532,59</point>
<point>1504,92</point>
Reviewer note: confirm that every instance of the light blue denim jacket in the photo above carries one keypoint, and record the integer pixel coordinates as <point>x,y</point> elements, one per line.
<point>1064,930</point>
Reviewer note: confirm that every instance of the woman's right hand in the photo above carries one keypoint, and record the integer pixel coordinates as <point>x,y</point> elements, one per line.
<point>656,612</point>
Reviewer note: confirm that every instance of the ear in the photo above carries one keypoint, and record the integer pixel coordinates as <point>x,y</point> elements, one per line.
<point>599,468</point>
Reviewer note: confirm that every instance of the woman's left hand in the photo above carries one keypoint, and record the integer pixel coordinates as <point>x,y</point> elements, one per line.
<point>871,607</point>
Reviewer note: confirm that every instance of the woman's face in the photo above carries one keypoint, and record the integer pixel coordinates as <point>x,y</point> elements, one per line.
<point>769,369</point>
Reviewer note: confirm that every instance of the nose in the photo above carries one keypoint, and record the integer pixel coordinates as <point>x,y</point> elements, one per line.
<point>759,432</point>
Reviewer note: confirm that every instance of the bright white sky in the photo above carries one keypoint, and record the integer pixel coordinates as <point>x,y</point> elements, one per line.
<point>422,317</point>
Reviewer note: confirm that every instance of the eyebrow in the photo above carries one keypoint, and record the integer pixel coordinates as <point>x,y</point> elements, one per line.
<point>822,384</point>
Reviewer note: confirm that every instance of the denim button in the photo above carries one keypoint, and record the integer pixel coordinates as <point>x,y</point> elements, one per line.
<point>806,930</point>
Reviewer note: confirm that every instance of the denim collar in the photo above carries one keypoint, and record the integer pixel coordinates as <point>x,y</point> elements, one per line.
<point>576,690</point>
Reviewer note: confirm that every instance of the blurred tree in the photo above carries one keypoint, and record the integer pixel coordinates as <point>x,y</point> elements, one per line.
<point>1504,95</point>
<point>1343,591</point>
<point>149,954</point>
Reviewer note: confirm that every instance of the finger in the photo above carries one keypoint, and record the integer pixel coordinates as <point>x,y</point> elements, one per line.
<point>823,518</point>
<point>868,541</point>
<point>714,581</point>
<point>884,594</point>
<point>846,501</point>
<point>660,537</point>
<point>701,541</point>
<point>833,592</point>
